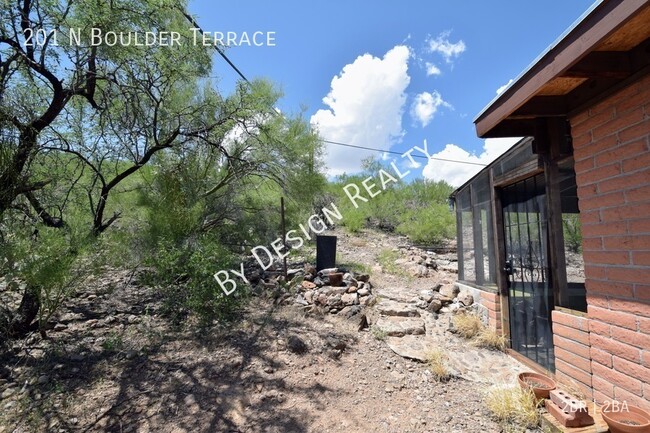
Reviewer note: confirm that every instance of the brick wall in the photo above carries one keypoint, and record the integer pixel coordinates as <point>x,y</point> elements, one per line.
<point>611,143</point>
<point>492,303</point>
<point>572,352</point>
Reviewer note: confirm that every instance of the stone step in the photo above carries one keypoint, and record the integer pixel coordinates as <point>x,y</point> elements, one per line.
<point>395,326</point>
<point>394,308</point>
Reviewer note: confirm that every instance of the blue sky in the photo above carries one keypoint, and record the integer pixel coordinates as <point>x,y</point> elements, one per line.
<point>403,72</point>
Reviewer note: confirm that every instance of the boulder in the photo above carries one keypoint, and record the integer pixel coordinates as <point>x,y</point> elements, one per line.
<point>465,298</point>
<point>434,306</point>
<point>426,295</point>
<point>363,278</point>
<point>449,290</point>
<point>350,299</point>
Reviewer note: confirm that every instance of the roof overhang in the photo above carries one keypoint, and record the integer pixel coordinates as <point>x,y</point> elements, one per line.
<point>608,46</point>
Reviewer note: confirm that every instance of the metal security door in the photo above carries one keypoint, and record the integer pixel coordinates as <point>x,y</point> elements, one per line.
<point>527,265</point>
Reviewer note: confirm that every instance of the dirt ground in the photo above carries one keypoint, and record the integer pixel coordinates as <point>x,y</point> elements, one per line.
<point>113,364</point>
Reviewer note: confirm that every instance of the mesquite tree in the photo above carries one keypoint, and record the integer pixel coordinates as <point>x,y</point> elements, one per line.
<point>78,119</point>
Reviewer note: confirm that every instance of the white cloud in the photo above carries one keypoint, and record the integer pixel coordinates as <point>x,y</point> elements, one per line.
<point>365,106</point>
<point>455,173</point>
<point>426,105</point>
<point>432,69</point>
<point>447,49</point>
<point>504,87</point>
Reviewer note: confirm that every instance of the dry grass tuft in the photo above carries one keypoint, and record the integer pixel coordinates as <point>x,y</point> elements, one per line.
<point>514,408</point>
<point>436,362</point>
<point>467,325</point>
<point>490,339</point>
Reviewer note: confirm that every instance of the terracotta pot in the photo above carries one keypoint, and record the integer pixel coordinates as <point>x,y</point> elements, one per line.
<point>336,279</point>
<point>623,418</point>
<point>541,385</point>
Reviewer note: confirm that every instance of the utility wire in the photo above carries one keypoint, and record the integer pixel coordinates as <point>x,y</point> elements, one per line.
<point>215,46</point>
<point>277,112</point>
<point>401,153</point>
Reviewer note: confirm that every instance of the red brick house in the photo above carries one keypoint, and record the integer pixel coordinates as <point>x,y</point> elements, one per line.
<point>554,236</point>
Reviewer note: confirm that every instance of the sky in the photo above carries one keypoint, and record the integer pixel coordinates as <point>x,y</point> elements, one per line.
<point>390,75</point>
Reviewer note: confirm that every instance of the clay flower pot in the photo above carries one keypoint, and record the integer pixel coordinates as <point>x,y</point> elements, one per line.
<point>623,418</point>
<point>336,279</point>
<point>540,384</point>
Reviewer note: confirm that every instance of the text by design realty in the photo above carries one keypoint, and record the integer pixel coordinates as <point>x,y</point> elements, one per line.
<point>370,187</point>
<point>96,37</point>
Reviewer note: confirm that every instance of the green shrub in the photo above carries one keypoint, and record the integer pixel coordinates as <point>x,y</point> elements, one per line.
<point>185,277</point>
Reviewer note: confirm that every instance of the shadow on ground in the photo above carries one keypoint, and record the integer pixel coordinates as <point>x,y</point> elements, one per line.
<point>87,380</point>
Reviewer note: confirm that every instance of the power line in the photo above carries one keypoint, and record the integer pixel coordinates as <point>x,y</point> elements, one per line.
<point>215,46</point>
<point>401,153</point>
<point>277,112</point>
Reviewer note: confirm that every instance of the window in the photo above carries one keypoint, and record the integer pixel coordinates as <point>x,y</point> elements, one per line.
<point>573,295</point>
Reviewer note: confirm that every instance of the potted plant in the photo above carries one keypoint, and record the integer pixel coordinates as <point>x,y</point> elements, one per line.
<point>540,384</point>
<point>624,418</point>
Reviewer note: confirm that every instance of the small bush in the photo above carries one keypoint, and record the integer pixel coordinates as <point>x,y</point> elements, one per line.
<point>515,409</point>
<point>378,333</point>
<point>467,325</point>
<point>436,362</point>
<point>490,339</point>
<point>185,275</point>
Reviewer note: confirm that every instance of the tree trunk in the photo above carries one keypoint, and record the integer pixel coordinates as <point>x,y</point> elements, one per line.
<point>24,319</point>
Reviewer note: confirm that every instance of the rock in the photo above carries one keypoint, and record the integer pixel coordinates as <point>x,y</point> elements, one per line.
<point>296,345</point>
<point>393,308</point>
<point>411,347</point>
<point>309,296</point>
<point>292,273</point>
<point>328,271</point>
<point>426,295</point>
<point>363,292</point>
<point>189,399</point>
<point>43,379</point>
<point>367,300</point>
<point>300,300</point>
<point>449,290</point>
<point>338,290</point>
<point>465,298</point>
<point>444,299</point>
<point>319,282</point>
<point>8,393</point>
<point>308,285</point>
<point>130,354</point>
<point>352,289</point>
<point>364,278</point>
<point>336,343</point>
<point>310,269</point>
<point>419,271</point>
<point>350,299</point>
<point>268,369</point>
<point>76,357</point>
<point>400,326</point>
<point>333,301</point>
<point>350,311</point>
<point>60,327</point>
<point>434,306</point>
